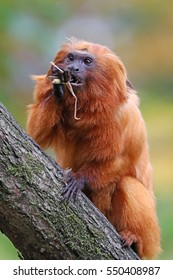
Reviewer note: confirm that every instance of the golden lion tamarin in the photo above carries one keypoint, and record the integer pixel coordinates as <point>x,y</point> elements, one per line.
<point>103,139</point>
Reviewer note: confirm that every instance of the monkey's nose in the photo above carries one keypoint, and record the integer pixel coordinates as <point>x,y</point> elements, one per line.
<point>74,68</point>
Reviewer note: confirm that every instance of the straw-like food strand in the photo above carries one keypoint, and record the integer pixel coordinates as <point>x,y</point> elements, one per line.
<point>59,69</point>
<point>70,89</point>
<point>75,104</point>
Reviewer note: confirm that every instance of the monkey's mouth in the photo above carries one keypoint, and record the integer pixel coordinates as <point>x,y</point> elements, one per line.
<point>75,81</point>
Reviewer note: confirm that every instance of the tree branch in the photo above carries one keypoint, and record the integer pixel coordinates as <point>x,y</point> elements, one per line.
<point>32,214</point>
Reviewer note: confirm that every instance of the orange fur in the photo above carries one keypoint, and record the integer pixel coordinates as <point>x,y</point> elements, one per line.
<point>107,146</point>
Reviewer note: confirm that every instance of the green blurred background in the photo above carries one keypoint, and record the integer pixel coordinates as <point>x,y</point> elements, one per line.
<point>140,32</point>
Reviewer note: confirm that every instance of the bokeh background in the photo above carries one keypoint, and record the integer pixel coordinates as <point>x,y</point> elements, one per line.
<point>140,32</point>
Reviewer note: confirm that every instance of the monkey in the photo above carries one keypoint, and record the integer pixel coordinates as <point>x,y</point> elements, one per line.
<point>106,145</point>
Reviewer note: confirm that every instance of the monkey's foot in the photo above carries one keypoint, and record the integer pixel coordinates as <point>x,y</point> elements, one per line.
<point>72,188</point>
<point>128,238</point>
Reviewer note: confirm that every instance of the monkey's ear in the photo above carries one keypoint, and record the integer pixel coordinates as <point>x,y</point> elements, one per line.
<point>121,85</point>
<point>129,84</point>
<point>120,77</point>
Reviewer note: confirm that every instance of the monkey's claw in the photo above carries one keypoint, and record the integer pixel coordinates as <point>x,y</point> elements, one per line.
<point>128,238</point>
<point>72,188</point>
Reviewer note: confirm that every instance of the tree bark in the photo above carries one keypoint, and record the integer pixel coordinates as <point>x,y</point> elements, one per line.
<point>32,213</point>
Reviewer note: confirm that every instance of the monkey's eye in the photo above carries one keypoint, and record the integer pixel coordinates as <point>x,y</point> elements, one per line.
<point>70,57</point>
<point>88,61</point>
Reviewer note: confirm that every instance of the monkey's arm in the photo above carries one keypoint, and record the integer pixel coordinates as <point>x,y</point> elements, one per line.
<point>116,150</point>
<point>97,170</point>
<point>44,113</point>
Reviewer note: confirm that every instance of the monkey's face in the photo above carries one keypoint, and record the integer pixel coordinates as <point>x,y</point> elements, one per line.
<point>79,64</point>
<point>92,69</point>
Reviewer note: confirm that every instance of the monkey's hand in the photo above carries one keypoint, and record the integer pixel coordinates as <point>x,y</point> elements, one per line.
<point>72,188</point>
<point>59,77</point>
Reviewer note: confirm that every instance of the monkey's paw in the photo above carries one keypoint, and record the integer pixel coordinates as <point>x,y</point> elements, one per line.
<point>59,77</point>
<point>128,238</point>
<point>72,188</point>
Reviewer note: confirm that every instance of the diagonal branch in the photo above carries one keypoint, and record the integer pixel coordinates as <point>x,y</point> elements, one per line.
<point>32,214</point>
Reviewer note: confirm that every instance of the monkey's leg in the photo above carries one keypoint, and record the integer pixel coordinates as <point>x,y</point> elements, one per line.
<point>133,214</point>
